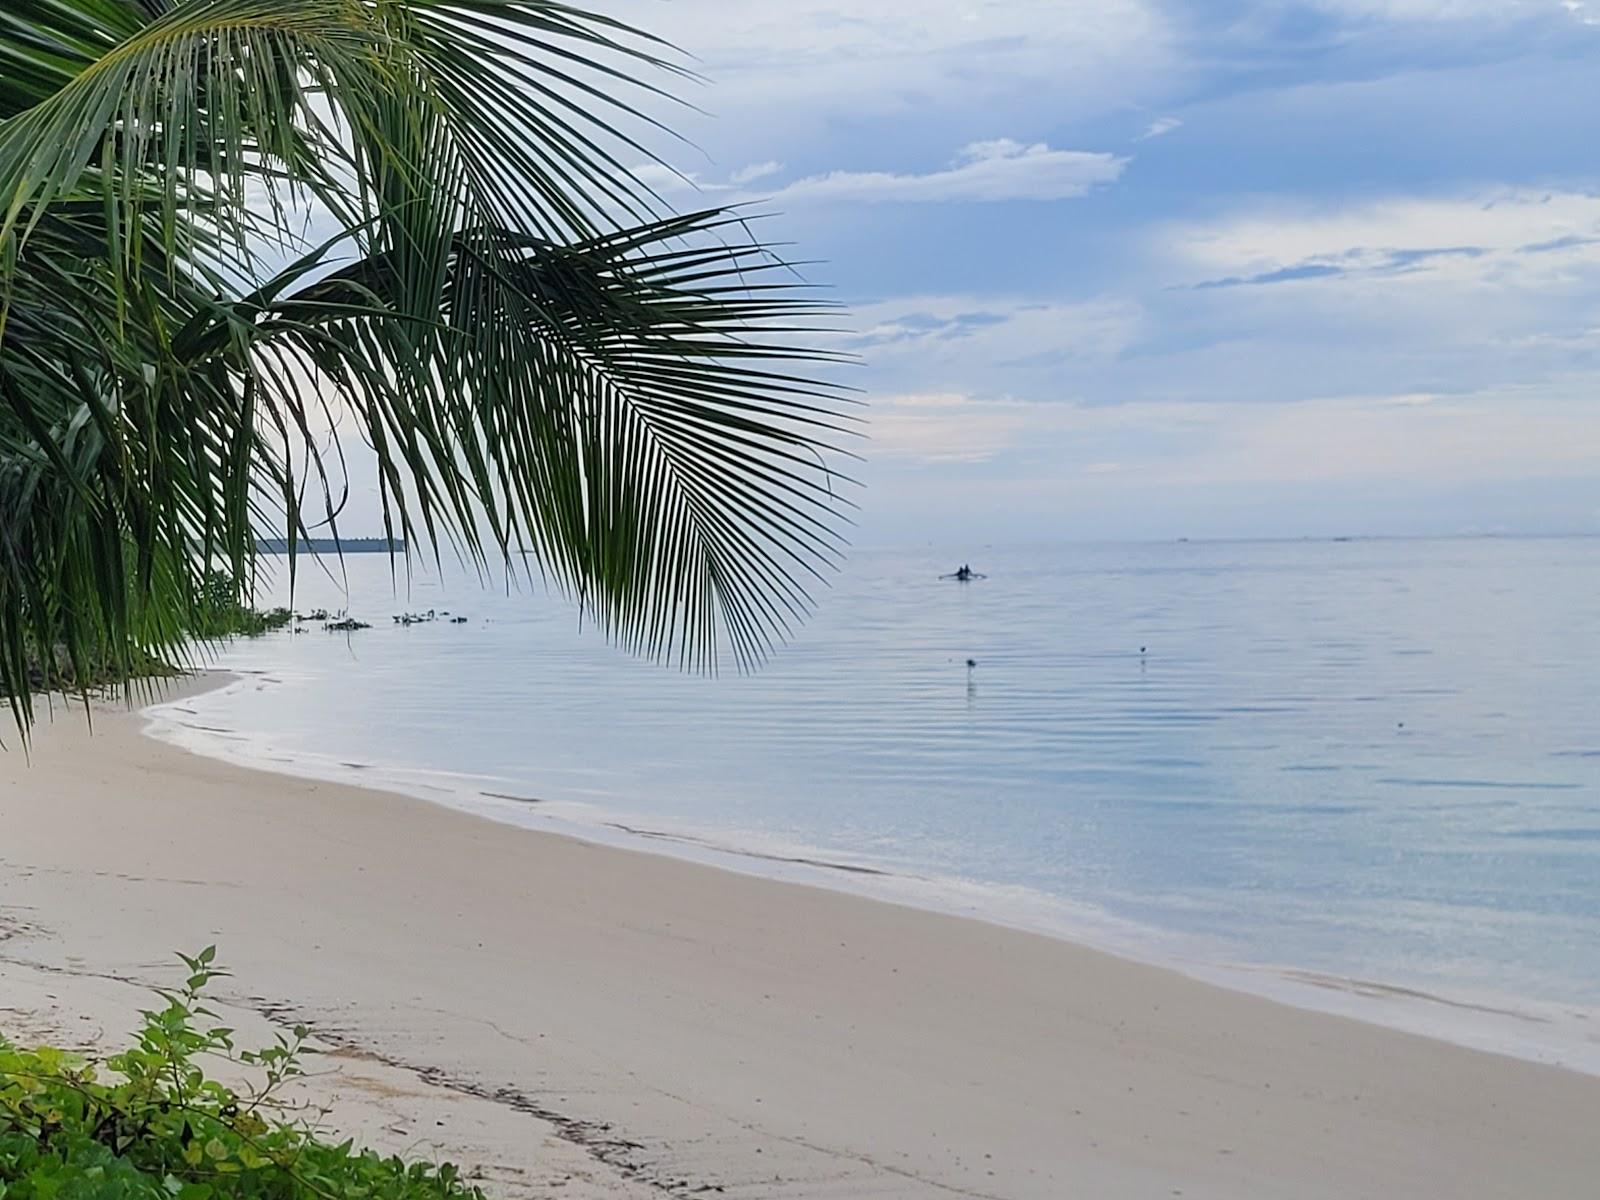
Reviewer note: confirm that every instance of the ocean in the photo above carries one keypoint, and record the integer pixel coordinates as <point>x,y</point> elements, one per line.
<point>1358,775</point>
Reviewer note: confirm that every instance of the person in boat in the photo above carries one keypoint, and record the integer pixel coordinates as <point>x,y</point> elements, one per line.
<point>965,574</point>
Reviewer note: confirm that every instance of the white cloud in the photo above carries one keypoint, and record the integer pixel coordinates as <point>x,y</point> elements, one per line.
<point>1448,10</point>
<point>1160,127</point>
<point>1505,236</point>
<point>794,77</point>
<point>664,179</point>
<point>754,172</point>
<point>1504,434</point>
<point>1496,435</point>
<point>942,428</point>
<point>1582,11</point>
<point>999,169</point>
<point>1425,297</point>
<point>1412,294</point>
<point>984,171</point>
<point>1014,343</point>
<point>895,41</point>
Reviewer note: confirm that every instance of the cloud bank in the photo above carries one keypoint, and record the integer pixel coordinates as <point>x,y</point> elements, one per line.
<point>991,171</point>
<point>996,170</point>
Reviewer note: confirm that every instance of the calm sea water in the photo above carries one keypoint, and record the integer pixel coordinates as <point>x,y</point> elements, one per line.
<point>1372,761</point>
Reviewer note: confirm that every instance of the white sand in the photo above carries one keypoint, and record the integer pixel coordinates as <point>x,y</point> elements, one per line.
<point>579,1021</point>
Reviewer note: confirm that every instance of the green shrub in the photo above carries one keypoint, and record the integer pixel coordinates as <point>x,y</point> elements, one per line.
<point>148,1124</point>
<point>222,613</point>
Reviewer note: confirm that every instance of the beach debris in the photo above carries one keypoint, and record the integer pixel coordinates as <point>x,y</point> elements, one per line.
<point>347,625</point>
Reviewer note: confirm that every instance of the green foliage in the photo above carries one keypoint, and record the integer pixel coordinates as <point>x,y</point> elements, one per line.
<point>553,374</point>
<point>218,613</point>
<point>222,613</point>
<point>149,1124</point>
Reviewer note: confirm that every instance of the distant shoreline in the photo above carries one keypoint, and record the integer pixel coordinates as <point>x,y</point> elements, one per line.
<point>378,545</point>
<point>333,546</point>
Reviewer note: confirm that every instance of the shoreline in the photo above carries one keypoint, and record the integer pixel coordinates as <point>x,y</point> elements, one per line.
<point>1553,1033</point>
<point>637,1025</point>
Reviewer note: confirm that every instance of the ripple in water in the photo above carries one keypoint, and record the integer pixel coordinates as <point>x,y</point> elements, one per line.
<point>1369,760</point>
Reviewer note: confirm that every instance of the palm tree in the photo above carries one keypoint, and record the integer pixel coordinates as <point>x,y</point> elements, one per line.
<point>229,227</point>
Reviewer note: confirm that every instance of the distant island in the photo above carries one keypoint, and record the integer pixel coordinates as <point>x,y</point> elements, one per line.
<point>332,546</point>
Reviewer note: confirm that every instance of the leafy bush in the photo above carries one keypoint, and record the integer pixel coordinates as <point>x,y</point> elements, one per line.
<point>221,613</point>
<point>148,1124</point>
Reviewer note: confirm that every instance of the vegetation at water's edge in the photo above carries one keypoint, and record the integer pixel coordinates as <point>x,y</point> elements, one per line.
<point>223,613</point>
<point>220,613</point>
<point>550,372</point>
<point>148,1124</point>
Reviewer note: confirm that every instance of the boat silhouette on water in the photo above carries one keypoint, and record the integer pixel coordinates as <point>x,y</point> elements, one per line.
<point>964,574</point>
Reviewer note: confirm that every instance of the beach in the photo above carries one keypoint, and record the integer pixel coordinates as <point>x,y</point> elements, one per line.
<point>564,1018</point>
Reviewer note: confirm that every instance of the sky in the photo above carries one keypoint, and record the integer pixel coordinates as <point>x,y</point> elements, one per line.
<point>1127,268</point>
<point>1148,269</point>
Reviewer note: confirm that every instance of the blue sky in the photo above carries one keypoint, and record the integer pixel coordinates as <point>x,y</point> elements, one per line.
<point>1122,268</point>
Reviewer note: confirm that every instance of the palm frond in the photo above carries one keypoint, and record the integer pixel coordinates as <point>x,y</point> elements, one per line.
<point>548,369</point>
<point>661,457</point>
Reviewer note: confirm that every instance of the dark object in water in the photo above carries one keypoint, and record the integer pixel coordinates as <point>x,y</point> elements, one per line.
<point>964,574</point>
<point>348,625</point>
<point>416,618</point>
<point>458,620</point>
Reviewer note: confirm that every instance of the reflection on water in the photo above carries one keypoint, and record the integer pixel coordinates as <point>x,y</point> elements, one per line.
<point>1377,759</point>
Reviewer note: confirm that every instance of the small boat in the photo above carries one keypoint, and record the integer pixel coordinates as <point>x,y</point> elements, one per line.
<point>964,574</point>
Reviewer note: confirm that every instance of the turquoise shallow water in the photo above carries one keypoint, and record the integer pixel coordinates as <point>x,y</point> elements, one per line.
<point>1376,760</point>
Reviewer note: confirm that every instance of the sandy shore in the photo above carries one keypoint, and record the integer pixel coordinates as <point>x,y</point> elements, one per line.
<point>581,1021</point>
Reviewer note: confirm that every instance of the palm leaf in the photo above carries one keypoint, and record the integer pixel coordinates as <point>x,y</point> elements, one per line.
<point>551,372</point>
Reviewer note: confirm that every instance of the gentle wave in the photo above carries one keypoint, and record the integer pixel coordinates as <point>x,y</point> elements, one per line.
<point>1371,761</point>
<point>1559,1035</point>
